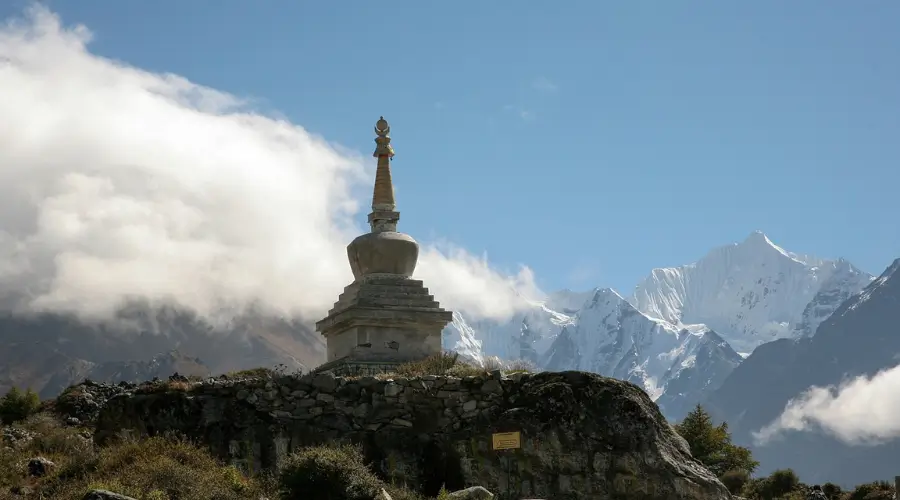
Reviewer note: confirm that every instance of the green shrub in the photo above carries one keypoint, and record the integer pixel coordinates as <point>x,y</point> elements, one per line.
<point>878,490</point>
<point>17,405</point>
<point>711,444</point>
<point>326,473</point>
<point>735,480</point>
<point>782,482</point>
<point>832,491</point>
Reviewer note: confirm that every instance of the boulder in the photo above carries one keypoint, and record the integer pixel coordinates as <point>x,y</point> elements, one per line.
<point>39,466</point>
<point>582,436</point>
<point>473,493</point>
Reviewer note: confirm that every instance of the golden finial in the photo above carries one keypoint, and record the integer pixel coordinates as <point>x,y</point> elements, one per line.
<point>383,139</point>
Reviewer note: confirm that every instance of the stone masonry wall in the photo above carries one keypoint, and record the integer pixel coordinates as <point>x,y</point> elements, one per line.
<point>583,436</point>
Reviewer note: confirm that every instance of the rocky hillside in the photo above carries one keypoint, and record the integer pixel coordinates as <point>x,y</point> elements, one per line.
<point>861,338</point>
<point>583,436</point>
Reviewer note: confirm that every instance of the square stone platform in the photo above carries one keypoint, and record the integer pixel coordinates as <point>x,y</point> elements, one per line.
<point>383,320</point>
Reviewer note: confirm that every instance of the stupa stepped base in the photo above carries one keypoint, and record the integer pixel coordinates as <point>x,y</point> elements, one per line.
<point>384,317</point>
<point>386,291</point>
<point>348,367</point>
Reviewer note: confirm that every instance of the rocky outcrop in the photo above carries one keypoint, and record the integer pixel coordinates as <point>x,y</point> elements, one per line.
<point>582,435</point>
<point>104,495</point>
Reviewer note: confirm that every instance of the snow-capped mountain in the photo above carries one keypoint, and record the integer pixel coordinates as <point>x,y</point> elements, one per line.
<point>677,336</point>
<point>844,282</point>
<point>750,292</point>
<point>613,338</point>
<point>526,336</point>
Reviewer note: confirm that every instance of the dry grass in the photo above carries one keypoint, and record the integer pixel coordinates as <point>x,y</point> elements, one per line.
<point>252,373</point>
<point>447,364</point>
<point>179,385</point>
<point>168,468</point>
<point>450,364</point>
<point>156,468</point>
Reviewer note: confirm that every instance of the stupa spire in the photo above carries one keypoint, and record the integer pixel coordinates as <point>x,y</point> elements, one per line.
<point>384,216</point>
<point>384,317</point>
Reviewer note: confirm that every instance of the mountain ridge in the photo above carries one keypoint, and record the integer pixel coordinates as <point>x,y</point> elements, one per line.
<point>767,292</point>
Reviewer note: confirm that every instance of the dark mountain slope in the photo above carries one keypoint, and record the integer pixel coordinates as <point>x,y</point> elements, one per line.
<point>862,337</point>
<point>47,352</point>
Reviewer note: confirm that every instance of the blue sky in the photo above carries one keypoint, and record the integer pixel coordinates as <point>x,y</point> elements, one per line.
<point>590,140</point>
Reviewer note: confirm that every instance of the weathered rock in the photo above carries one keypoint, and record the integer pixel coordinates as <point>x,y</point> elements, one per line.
<point>15,437</point>
<point>582,436</point>
<point>39,466</point>
<point>104,495</point>
<point>80,404</point>
<point>473,493</point>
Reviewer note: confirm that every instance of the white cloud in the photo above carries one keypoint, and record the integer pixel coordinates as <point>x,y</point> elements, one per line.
<point>543,84</point>
<point>524,114</point>
<point>118,183</point>
<point>860,411</point>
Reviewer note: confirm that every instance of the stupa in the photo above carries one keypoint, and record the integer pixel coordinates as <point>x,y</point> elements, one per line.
<point>384,317</point>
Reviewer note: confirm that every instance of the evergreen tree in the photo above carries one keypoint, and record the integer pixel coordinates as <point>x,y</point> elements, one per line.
<point>17,405</point>
<point>711,444</point>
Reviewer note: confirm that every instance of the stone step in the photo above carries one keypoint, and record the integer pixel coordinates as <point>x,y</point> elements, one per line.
<point>386,303</point>
<point>412,290</point>
<point>392,302</point>
<point>391,281</point>
<point>394,295</point>
<point>378,293</point>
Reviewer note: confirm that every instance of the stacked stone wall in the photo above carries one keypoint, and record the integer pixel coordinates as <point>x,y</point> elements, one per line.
<point>582,436</point>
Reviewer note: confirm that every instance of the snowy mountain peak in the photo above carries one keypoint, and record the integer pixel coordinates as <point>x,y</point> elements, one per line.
<point>759,245</point>
<point>601,295</point>
<point>750,292</point>
<point>890,277</point>
<point>760,240</point>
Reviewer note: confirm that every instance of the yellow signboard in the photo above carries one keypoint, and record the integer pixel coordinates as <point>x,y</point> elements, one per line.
<point>507,440</point>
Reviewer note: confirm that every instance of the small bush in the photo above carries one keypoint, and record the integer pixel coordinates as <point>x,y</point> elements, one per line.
<point>735,480</point>
<point>782,482</point>
<point>832,491</point>
<point>17,405</point>
<point>325,473</point>
<point>331,473</point>
<point>878,490</point>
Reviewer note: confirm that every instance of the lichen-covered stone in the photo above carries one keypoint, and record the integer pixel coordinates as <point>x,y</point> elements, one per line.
<point>583,436</point>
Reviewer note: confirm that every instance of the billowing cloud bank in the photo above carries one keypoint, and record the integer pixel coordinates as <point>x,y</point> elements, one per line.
<point>118,183</point>
<point>861,411</point>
